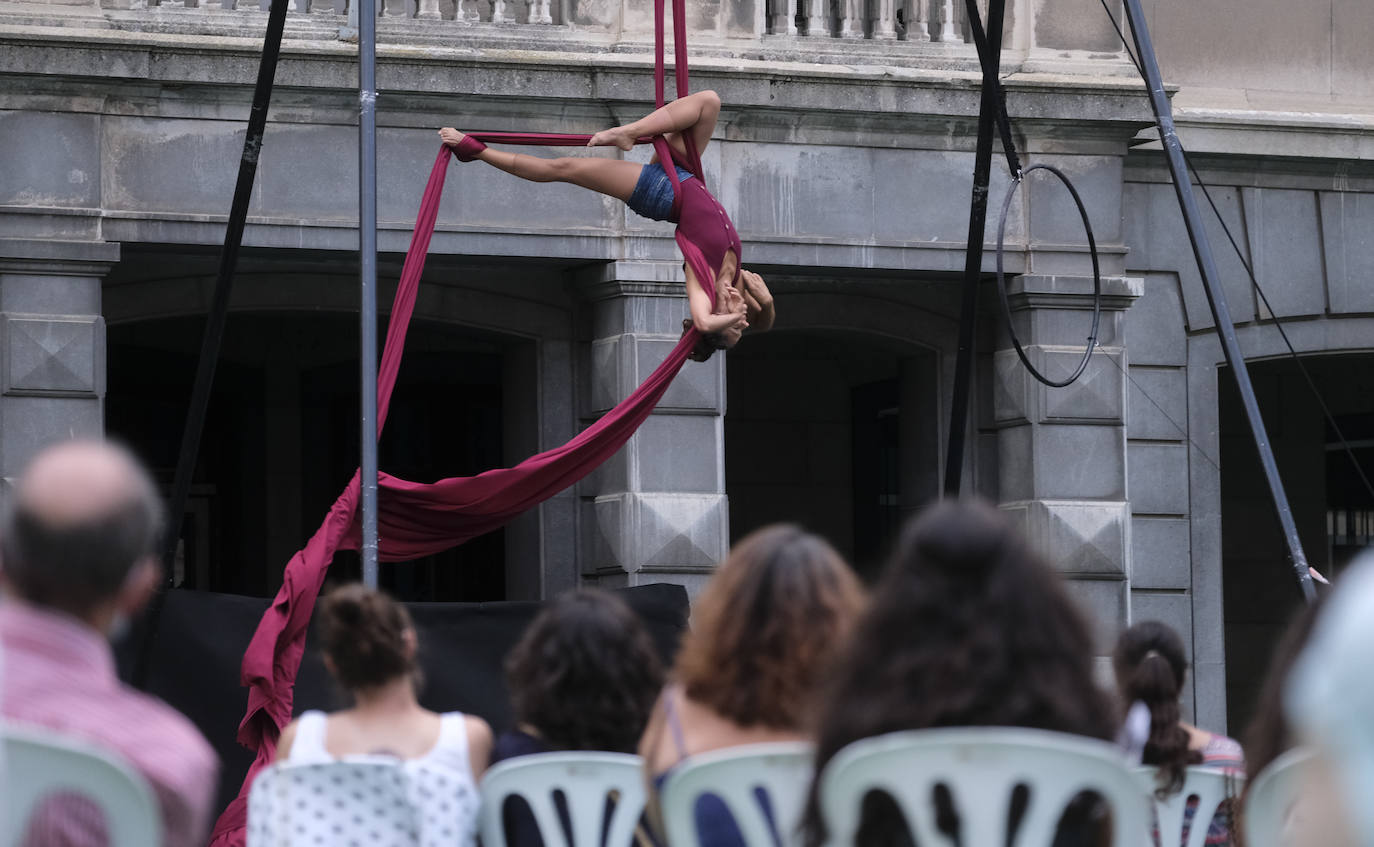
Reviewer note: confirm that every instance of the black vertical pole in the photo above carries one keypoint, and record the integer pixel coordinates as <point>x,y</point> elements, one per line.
<point>367,244</point>
<point>214,324</point>
<point>1216,298</point>
<point>990,54</point>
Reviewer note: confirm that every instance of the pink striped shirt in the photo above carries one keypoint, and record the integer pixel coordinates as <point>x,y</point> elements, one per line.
<point>59,675</point>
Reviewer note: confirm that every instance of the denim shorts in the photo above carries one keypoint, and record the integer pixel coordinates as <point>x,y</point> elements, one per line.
<point>653,194</point>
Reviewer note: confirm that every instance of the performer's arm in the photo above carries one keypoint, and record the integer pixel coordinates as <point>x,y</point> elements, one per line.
<point>732,312</point>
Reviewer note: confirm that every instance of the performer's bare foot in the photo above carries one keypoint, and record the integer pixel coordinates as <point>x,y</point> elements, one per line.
<point>616,137</point>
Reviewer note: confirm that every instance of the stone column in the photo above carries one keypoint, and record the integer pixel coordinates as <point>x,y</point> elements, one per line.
<point>656,511</point>
<point>1062,451</point>
<point>52,344</point>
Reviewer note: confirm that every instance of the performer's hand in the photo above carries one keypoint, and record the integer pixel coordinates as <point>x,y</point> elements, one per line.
<point>450,136</point>
<point>756,291</point>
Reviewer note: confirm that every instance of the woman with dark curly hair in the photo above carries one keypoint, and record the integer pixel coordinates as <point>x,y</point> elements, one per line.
<point>762,630</point>
<point>583,677</point>
<point>967,628</point>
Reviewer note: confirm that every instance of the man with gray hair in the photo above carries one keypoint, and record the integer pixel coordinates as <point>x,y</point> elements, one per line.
<point>78,541</point>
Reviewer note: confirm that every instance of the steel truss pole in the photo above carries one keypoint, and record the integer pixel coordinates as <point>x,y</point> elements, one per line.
<point>1216,298</point>
<point>214,324</point>
<point>367,245</point>
<point>990,55</point>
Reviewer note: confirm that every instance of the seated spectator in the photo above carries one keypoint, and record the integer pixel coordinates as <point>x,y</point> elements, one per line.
<point>762,630</point>
<point>78,542</point>
<point>370,648</point>
<point>1269,734</point>
<point>1329,699</point>
<point>1150,665</point>
<point>967,627</point>
<point>583,677</point>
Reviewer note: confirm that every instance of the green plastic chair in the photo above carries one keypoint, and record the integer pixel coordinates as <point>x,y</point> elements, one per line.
<point>586,780</point>
<point>781,771</point>
<point>981,768</point>
<point>1272,796</point>
<point>38,764</point>
<point>1211,787</point>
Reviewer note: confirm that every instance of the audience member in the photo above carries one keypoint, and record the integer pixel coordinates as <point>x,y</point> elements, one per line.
<point>370,648</point>
<point>1329,699</point>
<point>762,629</point>
<point>1150,666</point>
<point>583,677</point>
<point>78,543</point>
<point>966,628</point>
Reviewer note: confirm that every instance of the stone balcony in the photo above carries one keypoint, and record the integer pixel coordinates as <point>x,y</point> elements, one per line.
<point>1057,35</point>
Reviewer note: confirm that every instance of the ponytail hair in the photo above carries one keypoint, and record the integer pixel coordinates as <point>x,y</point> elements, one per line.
<point>364,634</point>
<point>1149,667</point>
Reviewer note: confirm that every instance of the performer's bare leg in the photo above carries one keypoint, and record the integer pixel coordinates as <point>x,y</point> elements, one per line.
<point>615,177</point>
<point>695,114</point>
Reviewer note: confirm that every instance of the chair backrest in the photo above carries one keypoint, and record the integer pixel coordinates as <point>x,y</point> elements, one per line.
<point>1211,787</point>
<point>981,768</point>
<point>585,779</point>
<point>1271,797</point>
<point>738,776</point>
<point>333,803</point>
<point>39,764</point>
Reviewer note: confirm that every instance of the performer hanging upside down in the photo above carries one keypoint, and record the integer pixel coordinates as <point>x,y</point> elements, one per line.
<point>742,299</point>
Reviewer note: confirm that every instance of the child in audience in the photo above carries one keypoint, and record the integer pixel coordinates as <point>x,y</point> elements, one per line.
<point>583,677</point>
<point>762,629</point>
<point>966,628</point>
<point>1150,667</point>
<point>370,649</point>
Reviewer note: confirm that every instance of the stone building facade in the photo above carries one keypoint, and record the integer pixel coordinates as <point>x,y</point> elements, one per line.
<point>844,152</point>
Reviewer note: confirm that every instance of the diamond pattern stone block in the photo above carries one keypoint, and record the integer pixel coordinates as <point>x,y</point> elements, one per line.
<point>1081,538</point>
<point>53,356</point>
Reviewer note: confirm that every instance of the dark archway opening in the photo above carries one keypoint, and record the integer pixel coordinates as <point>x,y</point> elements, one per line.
<point>834,430</point>
<point>281,440</point>
<point>1333,509</point>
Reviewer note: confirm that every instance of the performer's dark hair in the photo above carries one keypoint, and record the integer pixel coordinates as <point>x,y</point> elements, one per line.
<point>363,633</point>
<point>967,627</point>
<point>73,567</point>
<point>585,674</point>
<point>765,627</point>
<point>1150,668</point>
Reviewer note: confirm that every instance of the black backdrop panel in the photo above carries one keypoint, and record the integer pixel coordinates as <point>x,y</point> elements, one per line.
<point>194,664</point>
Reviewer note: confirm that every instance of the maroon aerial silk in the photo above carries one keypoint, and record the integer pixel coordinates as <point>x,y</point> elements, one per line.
<point>420,519</point>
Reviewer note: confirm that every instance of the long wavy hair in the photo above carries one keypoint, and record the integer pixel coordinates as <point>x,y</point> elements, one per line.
<point>765,626</point>
<point>584,675</point>
<point>966,628</point>
<point>1150,666</point>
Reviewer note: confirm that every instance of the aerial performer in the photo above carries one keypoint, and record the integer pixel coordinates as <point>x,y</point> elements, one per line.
<point>741,300</point>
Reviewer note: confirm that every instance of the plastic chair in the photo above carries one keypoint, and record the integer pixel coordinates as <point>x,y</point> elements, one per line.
<point>334,803</point>
<point>39,764</point>
<point>1272,796</point>
<point>585,780</point>
<point>781,771</point>
<point>1211,787</point>
<point>981,768</point>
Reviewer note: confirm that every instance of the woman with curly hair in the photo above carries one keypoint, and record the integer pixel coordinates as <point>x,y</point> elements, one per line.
<point>764,627</point>
<point>967,628</point>
<point>583,677</point>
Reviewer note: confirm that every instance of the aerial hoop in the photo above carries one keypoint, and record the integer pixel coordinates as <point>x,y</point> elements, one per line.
<point>1002,277</point>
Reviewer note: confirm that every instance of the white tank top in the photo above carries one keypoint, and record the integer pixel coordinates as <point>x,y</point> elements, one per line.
<point>441,786</point>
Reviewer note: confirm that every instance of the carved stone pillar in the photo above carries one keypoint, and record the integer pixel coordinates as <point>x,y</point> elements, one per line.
<point>52,344</point>
<point>1062,451</point>
<point>657,510</point>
